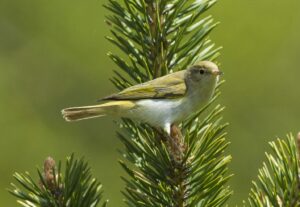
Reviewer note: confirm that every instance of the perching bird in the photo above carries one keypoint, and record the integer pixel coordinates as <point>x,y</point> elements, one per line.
<point>161,102</point>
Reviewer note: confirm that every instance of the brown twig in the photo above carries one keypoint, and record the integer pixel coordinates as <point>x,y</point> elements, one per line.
<point>177,151</point>
<point>175,142</point>
<point>159,45</point>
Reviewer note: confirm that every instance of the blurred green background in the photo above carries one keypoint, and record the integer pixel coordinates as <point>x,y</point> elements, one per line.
<point>53,55</point>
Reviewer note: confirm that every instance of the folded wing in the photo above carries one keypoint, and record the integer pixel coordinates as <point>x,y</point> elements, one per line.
<point>170,86</point>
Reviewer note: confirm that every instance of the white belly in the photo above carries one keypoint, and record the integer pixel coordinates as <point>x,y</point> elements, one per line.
<point>164,112</point>
<point>161,113</point>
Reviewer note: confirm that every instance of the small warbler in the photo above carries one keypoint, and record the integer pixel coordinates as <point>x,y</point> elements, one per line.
<point>161,102</point>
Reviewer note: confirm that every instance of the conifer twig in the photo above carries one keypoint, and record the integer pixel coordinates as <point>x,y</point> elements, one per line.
<point>159,37</point>
<point>73,188</point>
<point>278,179</point>
<point>188,169</point>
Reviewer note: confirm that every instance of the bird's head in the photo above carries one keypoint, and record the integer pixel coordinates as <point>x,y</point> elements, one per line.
<point>203,74</point>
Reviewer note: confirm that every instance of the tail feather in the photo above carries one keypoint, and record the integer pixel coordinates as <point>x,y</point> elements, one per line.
<point>87,112</point>
<point>80,113</point>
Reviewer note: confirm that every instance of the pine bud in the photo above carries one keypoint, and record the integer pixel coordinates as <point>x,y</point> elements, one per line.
<point>48,175</point>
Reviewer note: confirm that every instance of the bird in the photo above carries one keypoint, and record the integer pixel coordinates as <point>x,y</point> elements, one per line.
<point>161,102</point>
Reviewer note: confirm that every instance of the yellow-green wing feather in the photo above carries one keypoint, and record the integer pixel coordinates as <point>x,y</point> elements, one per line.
<point>169,86</point>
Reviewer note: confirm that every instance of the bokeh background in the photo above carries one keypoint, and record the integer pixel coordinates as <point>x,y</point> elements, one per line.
<point>53,55</point>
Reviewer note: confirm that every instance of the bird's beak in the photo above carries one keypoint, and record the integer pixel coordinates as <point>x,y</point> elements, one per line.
<point>217,72</point>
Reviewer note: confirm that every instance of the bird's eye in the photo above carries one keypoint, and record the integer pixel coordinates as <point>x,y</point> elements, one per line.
<point>202,71</point>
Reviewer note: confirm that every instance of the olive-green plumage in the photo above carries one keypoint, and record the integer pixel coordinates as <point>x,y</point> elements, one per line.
<point>160,102</point>
<point>169,86</point>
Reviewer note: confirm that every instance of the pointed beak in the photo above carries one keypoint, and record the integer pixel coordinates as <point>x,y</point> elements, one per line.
<point>217,72</point>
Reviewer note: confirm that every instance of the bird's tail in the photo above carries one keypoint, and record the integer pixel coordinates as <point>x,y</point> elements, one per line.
<point>88,112</point>
<point>83,112</point>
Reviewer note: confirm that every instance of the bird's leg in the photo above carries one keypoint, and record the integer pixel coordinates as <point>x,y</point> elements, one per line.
<point>163,134</point>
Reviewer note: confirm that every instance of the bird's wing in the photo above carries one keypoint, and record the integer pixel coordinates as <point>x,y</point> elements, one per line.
<point>170,86</point>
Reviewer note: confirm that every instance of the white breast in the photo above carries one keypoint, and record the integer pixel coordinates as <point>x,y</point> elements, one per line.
<point>161,113</point>
<point>164,112</point>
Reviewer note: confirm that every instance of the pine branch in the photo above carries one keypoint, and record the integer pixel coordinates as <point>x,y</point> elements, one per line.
<point>278,180</point>
<point>158,37</point>
<point>195,178</point>
<point>188,168</point>
<point>75,187</point>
